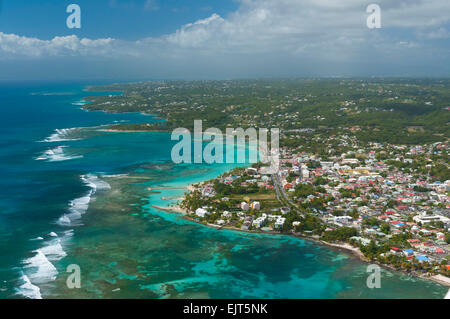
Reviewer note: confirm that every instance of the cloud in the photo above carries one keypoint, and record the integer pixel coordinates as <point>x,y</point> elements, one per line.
<point>441,33</point>
<point>300,26</point>
<point>195,34</point>
<point>290,34</point>
<point>15,47</point>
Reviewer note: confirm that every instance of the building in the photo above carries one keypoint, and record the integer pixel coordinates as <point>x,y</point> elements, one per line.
<point>255,205</point>
<point>201,212</point>
<point>425,219</point>
<point>343,219</point>
<point>226,214</point>
<point>279,223</point>
<point>408,252</point>
<point>259,222</point>
<point>244,206</point>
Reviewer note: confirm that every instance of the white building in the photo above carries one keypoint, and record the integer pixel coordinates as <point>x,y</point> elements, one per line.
<point>259,222</point>
<point>343,219</point>
<point>425,219</point>
<point>226,214</point>
<point>280,222</point>
<point>305,172</point>
<point>244,206</point>
<point>201,212</point>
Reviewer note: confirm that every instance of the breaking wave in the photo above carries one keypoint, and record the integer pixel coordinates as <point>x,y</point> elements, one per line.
<point>79,206</point>
<point>28,290</point>
<point>62,135</point>
<point>39,269</point>
<point>56,155</point>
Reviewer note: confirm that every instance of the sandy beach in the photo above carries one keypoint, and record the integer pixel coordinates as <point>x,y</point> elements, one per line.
<point>440,279</point>
<point>176,209</point>
<point>346,246</point>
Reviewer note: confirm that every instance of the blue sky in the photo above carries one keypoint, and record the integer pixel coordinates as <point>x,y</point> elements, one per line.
<point>201,39</point>
<point>125,19</point>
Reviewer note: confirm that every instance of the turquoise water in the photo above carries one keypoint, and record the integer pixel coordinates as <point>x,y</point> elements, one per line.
<point>80,196</point>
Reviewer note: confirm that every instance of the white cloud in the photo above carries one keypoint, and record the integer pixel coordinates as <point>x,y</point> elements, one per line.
<point>14,46</point>
<point>288,31</point>
<point>197,33</point>
<point>266,25</point>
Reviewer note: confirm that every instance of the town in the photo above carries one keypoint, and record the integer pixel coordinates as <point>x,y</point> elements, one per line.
<point>363,162</point>
<point>379,199</point>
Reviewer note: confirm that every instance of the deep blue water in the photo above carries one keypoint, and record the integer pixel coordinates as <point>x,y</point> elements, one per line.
<point>35,193</point>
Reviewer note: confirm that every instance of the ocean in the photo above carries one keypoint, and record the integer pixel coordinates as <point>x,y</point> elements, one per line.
<point>73,193</point>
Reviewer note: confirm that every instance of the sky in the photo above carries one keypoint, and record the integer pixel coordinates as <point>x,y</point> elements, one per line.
<point>222,39</point>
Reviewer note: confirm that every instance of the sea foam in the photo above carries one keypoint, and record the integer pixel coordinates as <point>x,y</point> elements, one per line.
<point>54,250</point>
<point>29,290</point>
<point>79,206</point>
<point>95,183</point>
<point>56,155</point>
<point>39,268</point>
<point>62,135</point>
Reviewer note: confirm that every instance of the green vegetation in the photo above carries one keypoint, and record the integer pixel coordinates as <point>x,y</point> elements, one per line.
<point>340,234</point>
<point>397,111</point>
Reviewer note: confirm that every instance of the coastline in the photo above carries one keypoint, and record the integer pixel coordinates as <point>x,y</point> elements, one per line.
<point>263,149</point>
<point>345,247</point>
<point>132,131</point>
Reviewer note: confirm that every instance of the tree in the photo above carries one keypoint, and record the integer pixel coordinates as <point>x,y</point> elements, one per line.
<point>447,238</point>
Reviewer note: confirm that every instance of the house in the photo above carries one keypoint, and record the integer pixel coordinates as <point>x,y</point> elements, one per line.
<point>259,222</point>
<point>361,240</point>
<point>279,223</point>
<point>408,252</point>
<point>201,212</point>
<point>244,206</point>
<point>422,259</point>
<point>288,186</point>
<point>255,205</point>
<point>226,214</point>
<point>343,219</point>
<point>305,172</point>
